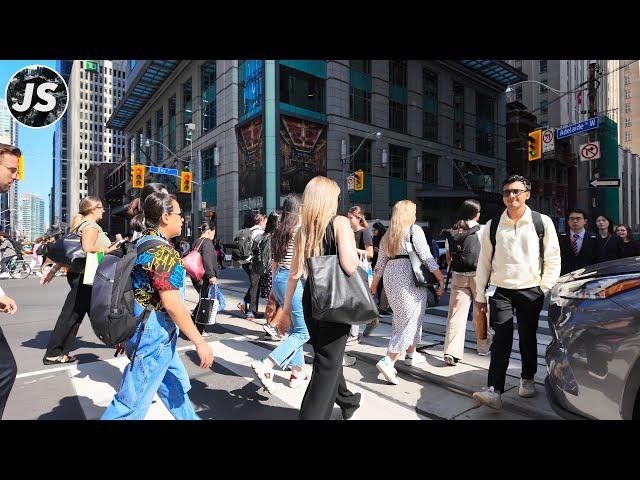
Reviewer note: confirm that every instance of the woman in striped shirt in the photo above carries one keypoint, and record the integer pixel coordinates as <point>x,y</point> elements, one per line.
<point>290,350</point>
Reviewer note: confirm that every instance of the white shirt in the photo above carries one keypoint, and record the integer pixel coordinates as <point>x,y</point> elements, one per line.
<point>578,240</point>
<point>516,263</point>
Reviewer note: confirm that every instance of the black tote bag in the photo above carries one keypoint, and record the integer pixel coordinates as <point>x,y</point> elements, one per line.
<point>68,251</point>
<point>337,297</point>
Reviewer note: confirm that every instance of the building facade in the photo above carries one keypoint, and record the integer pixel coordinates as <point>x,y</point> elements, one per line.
<point>81,138</point>
<point>630,105</point>
<point>8,200</point>
<point>629,191</point>
<point>264,128</point>
<point>31,222</point>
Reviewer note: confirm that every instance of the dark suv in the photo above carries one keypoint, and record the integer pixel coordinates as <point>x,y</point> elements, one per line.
<point>593,361</point>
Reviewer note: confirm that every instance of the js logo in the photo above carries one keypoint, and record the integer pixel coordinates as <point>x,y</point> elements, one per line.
<point>37,96</point>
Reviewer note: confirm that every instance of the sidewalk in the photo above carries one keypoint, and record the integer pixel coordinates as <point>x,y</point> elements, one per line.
<point>468,376</point>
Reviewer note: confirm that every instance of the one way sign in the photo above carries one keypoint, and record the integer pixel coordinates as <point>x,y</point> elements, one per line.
<point>605,182</point>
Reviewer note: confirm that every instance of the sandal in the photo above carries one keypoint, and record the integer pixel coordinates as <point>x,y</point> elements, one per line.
<point>58,359</point>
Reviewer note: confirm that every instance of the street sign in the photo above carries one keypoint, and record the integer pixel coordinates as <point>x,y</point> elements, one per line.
<point>590,151</point>
<point>164,171</point>
<point>350,183</point>
<point>548,142</point>
<point>577,128</point>
<point>605,182</point>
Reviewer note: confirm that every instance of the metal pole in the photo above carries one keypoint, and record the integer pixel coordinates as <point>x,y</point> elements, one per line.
<point>592,134</point>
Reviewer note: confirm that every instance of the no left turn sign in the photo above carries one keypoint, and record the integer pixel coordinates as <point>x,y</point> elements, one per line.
<point>590,151</point>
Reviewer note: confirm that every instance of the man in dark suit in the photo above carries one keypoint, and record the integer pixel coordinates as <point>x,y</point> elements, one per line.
<point>577,246</point>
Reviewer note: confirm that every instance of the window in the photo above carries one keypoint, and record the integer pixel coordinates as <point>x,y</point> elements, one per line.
<point>362,66</point>
<point>458,115</point>
<point>208,100</point>
<point>518,64</point>
<point>188,112</point>
<point>148,135</point>
<point>627,94</point>
<point>397,116</point>
<point>208,166</point>
<point>430,168</point>
<point>519,93</point>
<point>398,162</point>
<point>362,159</point>
<point>627,108</point>
<point>429,105</point>
<point>302,90</point>
<point>359,105</point>
<point>484,124</point>
<point>172,123</point>
<point>543,66</point>
<point>544,107</point>
<point>627,80</point>
<point>398,73</point>
<point>250,88</point>
<point>627,122</point>
<point>627,136</point>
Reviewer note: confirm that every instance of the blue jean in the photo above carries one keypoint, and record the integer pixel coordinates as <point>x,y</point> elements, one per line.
<point>290,350</point>
<point>157,369</point>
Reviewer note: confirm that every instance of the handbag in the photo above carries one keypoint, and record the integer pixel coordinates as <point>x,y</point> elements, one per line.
<point>337,297</point>
<point>207,308</point>
<point>422,276</point>
<point>67,251</point>
<point>193,262</point>
<point>365,264</point>
<point>91,267</point>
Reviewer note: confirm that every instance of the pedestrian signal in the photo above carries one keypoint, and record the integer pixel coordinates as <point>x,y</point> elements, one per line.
<point>358,183</point>
<point>137,176</point>
<point>535,145</point>
<point>185,182</point>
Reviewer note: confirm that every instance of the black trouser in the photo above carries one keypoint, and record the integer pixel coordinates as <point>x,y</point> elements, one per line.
<point>251,297</point>
<point>76,306</point>
<point>4,261</point>
<point>327,385</point>
<point>527,304</point>
<point>8,371</point>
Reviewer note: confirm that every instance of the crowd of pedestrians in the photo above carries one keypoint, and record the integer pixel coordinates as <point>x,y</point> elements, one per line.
<point>504,267</point>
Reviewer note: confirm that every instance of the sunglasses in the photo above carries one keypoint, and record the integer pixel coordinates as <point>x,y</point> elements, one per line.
<point>514,191</point>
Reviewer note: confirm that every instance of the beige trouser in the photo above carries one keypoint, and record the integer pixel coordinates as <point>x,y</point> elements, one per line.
<point>463,291</point>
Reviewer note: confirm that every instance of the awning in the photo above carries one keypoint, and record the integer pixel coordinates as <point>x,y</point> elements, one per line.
<point>151,75</point>
<point>495,70</point>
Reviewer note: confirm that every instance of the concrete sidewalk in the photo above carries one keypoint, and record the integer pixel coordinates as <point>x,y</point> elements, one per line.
<point>468,376</point>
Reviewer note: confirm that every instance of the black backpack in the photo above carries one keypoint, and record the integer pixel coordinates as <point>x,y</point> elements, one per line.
<point>111,314</point>
<point>537,223</point>
<point>244,245</point>
<point>261,254</point>
<point>464,248</point>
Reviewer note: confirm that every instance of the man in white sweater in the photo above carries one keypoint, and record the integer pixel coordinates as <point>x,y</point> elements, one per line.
<point>8,174</point>
<point>516,275</point>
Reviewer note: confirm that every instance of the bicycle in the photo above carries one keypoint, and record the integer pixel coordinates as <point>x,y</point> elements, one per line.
<point>18,268</point>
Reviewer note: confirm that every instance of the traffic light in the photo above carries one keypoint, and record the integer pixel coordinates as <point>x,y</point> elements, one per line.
<point>358,180</point>
<point>20,167</point>
<point>137,176</point>
<point>535,145</point>
<point>185,182</point>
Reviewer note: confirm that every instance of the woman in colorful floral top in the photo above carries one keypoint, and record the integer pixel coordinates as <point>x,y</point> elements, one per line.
<point>158,283</point>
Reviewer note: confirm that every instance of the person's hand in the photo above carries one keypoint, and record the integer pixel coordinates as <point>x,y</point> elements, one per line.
<point>374,289</point>
<point>482,307</point>
<point>119,237</point>
<point>49,276</point>
<point>213,280</point>
<point>8,305</point>
<point>205,353</point>
<point>440,290</point>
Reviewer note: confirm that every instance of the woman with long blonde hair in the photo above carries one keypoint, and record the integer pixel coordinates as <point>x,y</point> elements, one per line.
<point>78,299</point>
<point>323,233</point>
<point>406,299</point>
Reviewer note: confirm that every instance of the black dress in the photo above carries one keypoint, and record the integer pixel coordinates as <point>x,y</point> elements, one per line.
<point>609,248</point>
<point>630,249</point>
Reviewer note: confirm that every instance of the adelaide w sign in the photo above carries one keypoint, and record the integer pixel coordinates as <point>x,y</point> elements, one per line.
<point>577,128</point>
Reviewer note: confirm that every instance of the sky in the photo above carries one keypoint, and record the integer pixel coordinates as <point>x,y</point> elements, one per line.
<point>36,143</point>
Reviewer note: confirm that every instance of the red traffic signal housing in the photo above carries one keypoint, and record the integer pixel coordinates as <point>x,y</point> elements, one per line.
<point>137,176</point>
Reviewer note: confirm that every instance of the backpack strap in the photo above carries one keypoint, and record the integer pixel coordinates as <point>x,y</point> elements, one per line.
<point>537,223</point>
<point>493,228</point>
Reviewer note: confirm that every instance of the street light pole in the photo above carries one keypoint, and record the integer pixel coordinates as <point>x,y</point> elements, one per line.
<point>343,158</point>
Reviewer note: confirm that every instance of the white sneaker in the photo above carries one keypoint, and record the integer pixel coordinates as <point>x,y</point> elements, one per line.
<point>527,388</point>
<point>489,398</point>
<point>353,340</point>
<point>416,358</point>
<point>297,382</point>
<point>450,360</point>
<point>386,368</point>
<point>264,374</point>
<point>272,332</point>
<point>348,360</point>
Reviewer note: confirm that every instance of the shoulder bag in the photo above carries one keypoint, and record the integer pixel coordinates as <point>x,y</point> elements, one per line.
<point>337,297</point>
<point>193,262</point>
<point>421,274</point>
<point>68,251</point>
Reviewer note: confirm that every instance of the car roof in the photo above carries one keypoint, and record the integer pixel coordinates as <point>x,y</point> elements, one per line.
<point>612,267</point>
